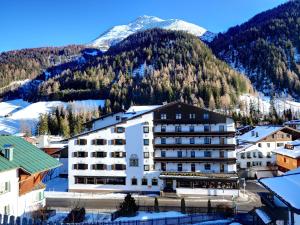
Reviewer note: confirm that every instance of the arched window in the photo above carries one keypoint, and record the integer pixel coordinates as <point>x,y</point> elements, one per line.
<point>133,161</point>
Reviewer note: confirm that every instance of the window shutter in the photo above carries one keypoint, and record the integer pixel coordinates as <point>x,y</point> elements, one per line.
<point>104,141</point>
<point>115,130</point>
<point>93,167</point>
<point>113,167</point>
<point>124,141</point>
<point>113,142</point>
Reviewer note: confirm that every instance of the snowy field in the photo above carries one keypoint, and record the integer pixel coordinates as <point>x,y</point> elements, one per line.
<point>18,114</point>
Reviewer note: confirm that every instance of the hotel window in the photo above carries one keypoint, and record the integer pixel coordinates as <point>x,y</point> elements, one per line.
<point>146,167</point>
<point>133,161</point>
<point>163,166</point>
<point>207,140</point>
<point>99,167</point>
<point>146,129</point>
<point>242,155</point>
<point>80,142</point>
<point>80,154</point>
<point>268,144</point>
<point>177,128</point>
<point>249,155</point>
<point>118,154</point>
<point>179,167</point>
<point>146,155</point>
<point>192,154</point>
<point>192,129</point>
<point>178,141</point>
<point>179,154</point>
<point>193,167</point>
<point>206,128</point>
<point>133,181</point>
<point>117,118</point>
<point>192,116</point>
<point>259,145</point>
<point>206,116</point>
<point>163,129</point>
<point>221,128</point>
<point>207,153</point>
<point>254,154</point>
<point>269,155</point>
<point>163,154</point>
<point>268,163</point>
<point>99,154</point>
<point>6,210</point>
<point>146,141</point>
<point>163,141</point>
<point>4,187</point>
<point>154,182</point>
<point>79,180</point>
<point>288,135</point>
<point>207,166</point>
<point>222,154</point>
<point>120,129</point>
<point>144,182</point>
<point>280,144</point>
<point>118,142</point>
<point>192,141</point>
<point>90,180</point>
<point>80,166</point>
<point>178,116</point>
<point>99,142</point>
<point>118,167</point>
<point>163,116</point>
<point>222,140</point>
<point>260,155</point>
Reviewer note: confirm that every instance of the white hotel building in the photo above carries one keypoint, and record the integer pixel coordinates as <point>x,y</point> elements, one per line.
<point>173,147</point>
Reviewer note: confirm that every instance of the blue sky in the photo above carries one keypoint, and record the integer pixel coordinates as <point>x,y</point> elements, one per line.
<point>37,23</point>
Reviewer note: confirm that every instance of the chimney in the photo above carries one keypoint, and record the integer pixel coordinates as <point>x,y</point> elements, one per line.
<point>256,134</point>
<point>252,133</point>
<point>8,152</point>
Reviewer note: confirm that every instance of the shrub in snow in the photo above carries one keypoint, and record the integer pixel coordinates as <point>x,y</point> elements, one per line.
<point>208,206</point>
<point>128,207</point>
<point>76,215</point>
<point>156,207</point>
<point>183,210</point>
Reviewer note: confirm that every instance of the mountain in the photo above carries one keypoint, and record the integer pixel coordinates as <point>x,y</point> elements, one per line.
<point>150,67</point>
<point>267,49</point>
<point>118,33</point>
<point>20,66</point>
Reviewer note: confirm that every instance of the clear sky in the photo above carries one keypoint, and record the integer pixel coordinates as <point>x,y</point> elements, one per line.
<point>38,23</point>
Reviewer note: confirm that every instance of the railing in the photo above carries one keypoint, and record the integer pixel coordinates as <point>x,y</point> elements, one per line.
<point>188,219</point>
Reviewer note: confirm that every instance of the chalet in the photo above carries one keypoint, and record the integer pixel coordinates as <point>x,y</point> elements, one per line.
<point>281,205</point>
<point>255,148</point>
<point>22,168</point>
<point>288,156</point>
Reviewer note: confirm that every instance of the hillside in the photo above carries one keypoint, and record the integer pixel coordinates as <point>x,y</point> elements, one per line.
<point>266,49</point>
<point>16,67</point>
<point>150,67</point>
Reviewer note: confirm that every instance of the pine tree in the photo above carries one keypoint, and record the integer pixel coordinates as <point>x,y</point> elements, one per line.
<point>43,125</point>
<point>183,209</point>
<point>128,207</point>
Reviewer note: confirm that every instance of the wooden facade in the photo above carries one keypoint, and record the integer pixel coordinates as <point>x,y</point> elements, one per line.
<point>281,135</point>
<point>29,182</point>
<point>286,163</point>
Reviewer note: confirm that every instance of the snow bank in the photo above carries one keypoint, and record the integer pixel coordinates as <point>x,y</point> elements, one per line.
<point>148,216</point>
<point>17,114</point>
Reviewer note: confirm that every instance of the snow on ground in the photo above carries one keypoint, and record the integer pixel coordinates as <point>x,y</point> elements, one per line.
<point>263,103</point>
<point>89,217</point>
<point>149,215</point>
<point>17,114</point>
<point>214,222</point>
<point>57,184</point>
<point>142,69</point>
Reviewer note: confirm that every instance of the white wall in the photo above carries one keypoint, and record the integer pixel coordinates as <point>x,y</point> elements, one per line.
<point>31,201</point>
<point>206,191</point>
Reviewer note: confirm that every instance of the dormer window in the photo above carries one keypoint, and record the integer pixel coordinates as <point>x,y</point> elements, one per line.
<point>206,116</point>
<point>80,142</point>
<point>178,116</point>
<point>163,116</point>
<point>120,129</point>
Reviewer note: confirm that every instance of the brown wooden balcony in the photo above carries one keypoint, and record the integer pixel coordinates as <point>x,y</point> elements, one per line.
<point>196,160</point>
<point>228,147</point>
<point>195,134</point>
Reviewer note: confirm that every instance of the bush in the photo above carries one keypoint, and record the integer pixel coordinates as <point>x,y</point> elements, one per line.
<point>224,208</point>
<point>183,210</point>
<point>128,207</point>
<point>77,215</point>
<point>156,207</point>
<point>208,206</point>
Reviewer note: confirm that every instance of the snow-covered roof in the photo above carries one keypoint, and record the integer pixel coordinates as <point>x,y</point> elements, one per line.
<point>137,110</point>
<point>293,171</point>
<point>293,152</point>
<point>259,133</point>
<point>286,188</point>
<point>294,122</point>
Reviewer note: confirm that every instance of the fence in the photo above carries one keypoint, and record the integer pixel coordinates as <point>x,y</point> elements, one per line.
<point>190,219</point>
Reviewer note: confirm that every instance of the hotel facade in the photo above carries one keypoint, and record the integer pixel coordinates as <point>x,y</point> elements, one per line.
<point>174,147</point>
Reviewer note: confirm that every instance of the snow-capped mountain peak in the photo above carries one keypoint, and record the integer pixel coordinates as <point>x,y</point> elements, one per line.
<point>120,32</point>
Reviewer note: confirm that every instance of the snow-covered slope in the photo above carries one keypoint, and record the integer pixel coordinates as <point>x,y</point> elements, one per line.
<point>18,114</point>
<point>118,33</point>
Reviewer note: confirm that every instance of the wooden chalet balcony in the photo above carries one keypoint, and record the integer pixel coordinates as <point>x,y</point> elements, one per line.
<point>228,147</point>
<point>190,159</point>
<point>195,134</point>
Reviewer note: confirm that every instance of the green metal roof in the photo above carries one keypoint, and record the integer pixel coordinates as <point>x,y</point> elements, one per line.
<point>25,156</point>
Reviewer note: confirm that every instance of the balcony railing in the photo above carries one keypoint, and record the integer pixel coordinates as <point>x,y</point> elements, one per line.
<point>191,133</point>
<point>197,146</point>
<point>190,159</point>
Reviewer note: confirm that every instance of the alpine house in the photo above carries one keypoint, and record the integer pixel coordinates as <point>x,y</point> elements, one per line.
<point>22,168</point>
<point>173,147</point>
